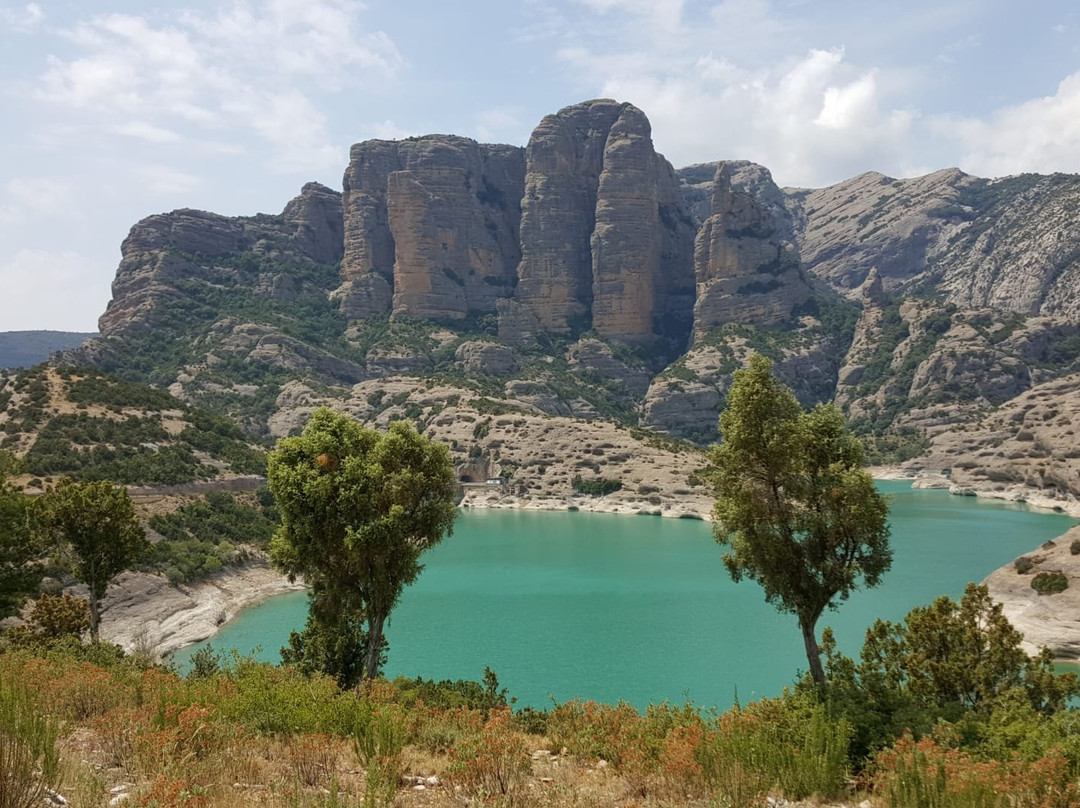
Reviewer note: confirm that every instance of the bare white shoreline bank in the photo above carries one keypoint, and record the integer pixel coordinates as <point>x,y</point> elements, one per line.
<point>145,612</point>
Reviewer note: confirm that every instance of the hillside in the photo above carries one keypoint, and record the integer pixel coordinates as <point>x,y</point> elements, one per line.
<point>583,283</point>
<point>23,349</point>
<point>83,424</point>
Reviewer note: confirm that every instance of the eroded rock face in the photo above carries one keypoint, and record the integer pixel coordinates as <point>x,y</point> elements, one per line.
<point>595,357</point>
<point>1024,254</point>
<point>1027,444</point>
<point>898,226</point>
<point>605,234</point>
<point>746,271</point>
<point>1011,243</point>
<point>186,245</point>
<point>434,222</point>
<point>488,358</point>
<point>685,409</point>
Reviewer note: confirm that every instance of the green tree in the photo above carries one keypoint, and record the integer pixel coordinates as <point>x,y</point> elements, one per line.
<point>358,509</point>
<point>793,505</point>
<point>19,549</point>
<point>948,661</point>
<point>97,521</point>
<point>961,656</point>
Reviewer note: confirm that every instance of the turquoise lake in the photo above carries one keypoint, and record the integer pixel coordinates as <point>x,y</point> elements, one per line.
<point>637,608</point>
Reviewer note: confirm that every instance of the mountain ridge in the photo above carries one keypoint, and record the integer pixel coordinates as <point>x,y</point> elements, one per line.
<point>583,277</point>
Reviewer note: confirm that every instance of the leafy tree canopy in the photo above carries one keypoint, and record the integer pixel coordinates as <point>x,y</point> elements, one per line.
<point>358,508</point>
<point>793,505</point>
<point>97,521</point>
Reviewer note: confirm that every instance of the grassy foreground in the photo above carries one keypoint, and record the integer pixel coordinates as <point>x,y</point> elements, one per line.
<point>254,734</point>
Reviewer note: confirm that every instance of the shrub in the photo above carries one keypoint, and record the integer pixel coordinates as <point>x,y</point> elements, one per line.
<point>378,744</point>
<point>924,775</point>
<point>52,618</point>
<point>1050,583</point>
<point>492,764</point>
<point>1023,565</point>
<point>596,487</point>
<point>314,758</point>
<point>29,762</point>
<point>789,743</point>
<point>1074,548</point>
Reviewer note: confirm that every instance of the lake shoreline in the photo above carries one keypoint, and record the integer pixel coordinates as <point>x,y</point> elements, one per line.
<point>145,612</point>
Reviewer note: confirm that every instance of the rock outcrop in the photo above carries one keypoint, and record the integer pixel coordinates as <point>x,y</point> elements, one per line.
<point>605,235</point>
<point>164,255</point>
<point>431,227</point>
<point>898,226</point>
<point>1011,244</point>
<point>746,271</point>
<point>1049,621</point>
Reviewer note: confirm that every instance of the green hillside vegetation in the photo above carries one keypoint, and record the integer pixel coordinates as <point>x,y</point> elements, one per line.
<point>210,533</point>
<point>895,728</point>
<point>86,425</point>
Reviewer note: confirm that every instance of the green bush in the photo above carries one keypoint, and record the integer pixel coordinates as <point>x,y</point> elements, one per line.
<point>204,536</point>
<point>596,487</point>
<point>274,700</point>
<point>1023,565</point>
<point>1074,548</point>
<point>1050,583</point>
<point>29,762</point>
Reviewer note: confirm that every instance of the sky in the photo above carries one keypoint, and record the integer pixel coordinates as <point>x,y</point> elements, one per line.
<point>113,110</point>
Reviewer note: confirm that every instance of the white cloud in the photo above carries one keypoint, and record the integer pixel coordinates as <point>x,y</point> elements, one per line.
<point>28,197</point>
<point>67,281</point>
<point>164,180</point>
<point>667,13</point>
<point>23,20</point>
<point>1042,135</point>
<point>501,124</point>
<point>147,131</point>
<point>250,67</point>
<point>388,130</point>
<point>814,120</point>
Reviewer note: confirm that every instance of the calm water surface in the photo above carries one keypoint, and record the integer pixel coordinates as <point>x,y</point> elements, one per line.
<point>640,608</point>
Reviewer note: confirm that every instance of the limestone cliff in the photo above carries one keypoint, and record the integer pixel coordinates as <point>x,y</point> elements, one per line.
<point>165,257</point>
<point>431,227</point>
<point>1011,243</point>
<point>601,262</point>
<point>746,271</point>
<point>898,226</point>
<point>605,234</point>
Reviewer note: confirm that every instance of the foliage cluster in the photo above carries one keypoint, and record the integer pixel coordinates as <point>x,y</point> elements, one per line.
<point>203,536</point>
<point>358,509</point>
<point>1050,583</point>
<point>595,486</point>
<point>1005,730</point>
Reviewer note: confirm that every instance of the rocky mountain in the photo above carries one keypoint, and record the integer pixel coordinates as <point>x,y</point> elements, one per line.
<point>23,349</point>
<point>581,282</point>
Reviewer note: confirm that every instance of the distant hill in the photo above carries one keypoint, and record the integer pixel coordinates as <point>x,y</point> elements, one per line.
<point>23,349</point>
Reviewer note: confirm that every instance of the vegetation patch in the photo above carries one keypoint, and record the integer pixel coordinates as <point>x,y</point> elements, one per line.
<point>595,486</point>
<point>202,537</point>
<point>1050,583</point>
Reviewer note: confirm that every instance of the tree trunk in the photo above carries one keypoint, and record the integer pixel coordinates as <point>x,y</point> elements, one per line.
<point>813,653</point>
<point>375,639</point>
<point>95,616</point>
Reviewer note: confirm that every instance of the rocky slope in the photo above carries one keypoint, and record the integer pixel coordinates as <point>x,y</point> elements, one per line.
<point>87,426</point>
<point>1052,621</point>
<point>1011,244</point>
